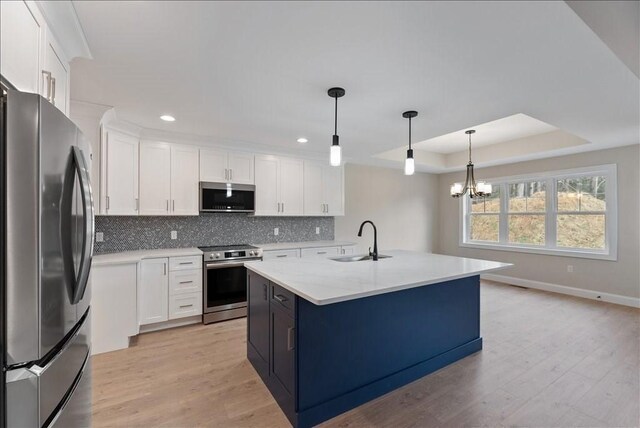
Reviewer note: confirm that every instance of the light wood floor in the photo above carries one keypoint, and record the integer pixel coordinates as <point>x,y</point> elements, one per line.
<point>548,360</point>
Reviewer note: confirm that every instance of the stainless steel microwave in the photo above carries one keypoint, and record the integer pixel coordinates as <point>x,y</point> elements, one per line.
<point>227,198</point>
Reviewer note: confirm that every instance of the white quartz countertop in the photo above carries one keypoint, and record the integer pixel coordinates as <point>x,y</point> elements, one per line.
<point>325,281</point>
<point>136,256</point>
<point>308,244</point>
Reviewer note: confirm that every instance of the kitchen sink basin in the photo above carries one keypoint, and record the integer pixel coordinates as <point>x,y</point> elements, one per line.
<point>358,258</point>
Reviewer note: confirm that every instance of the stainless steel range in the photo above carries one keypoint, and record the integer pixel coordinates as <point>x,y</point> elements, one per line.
<point>225,281</point>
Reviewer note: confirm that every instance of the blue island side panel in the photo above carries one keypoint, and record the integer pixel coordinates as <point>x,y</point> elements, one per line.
<point>351,352</point>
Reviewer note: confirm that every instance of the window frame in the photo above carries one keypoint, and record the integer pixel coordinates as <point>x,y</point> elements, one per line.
<point>610,252</point>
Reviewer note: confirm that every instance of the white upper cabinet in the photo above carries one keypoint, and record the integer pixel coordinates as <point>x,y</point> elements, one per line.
<point>31,58</point>
<point>266,175</point>
<point>22,32</point>
<point>323,189</point>
<point>220,166</point>
<point>119,195</point>
<point>279,189</point>
<point>168,179</point>
<point>55,75</point>
<point>155,178</point>
<point>214,165</point>
<point>184,180</point>
<point>290,187</point>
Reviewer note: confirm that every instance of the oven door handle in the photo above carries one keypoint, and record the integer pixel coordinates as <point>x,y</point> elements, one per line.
<point>222,265</point>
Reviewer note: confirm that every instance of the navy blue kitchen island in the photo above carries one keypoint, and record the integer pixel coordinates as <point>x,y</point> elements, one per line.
<point>321,359</point>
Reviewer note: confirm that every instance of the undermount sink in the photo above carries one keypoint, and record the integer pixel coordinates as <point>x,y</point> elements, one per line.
<point>359,258</point>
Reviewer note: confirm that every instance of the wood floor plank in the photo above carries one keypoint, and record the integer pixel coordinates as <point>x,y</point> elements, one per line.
<point>548,360</point>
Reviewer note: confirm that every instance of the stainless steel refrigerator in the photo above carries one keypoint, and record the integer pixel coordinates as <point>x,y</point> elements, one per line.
<point>47,235</point>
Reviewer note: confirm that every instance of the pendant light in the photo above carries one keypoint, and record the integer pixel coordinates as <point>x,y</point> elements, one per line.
<point>409,163</point>
<point>335,154</point>
<point>476,190</point>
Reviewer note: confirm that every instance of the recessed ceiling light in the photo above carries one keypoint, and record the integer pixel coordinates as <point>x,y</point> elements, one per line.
<point>168,118</point>
<point>302,140</point>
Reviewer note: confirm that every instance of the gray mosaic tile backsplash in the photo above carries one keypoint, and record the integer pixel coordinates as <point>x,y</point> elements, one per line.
<point>143,233</point>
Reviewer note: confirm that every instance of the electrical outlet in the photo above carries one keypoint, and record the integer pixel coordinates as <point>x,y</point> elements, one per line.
<point>317,231</point>
<point>570,268</point>
<point>174,234</point>
<point>276,231</point>
<point>99,237</point>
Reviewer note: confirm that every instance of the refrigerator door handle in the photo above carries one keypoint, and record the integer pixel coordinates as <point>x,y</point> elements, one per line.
<point>88,227</point>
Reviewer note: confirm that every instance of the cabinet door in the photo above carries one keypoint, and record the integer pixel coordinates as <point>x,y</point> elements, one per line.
<point>155,178</point>
<point>266,177</point>
<point>121,175</point>
<point>55,63</point>
<point>290,188</point>
<point>184,180</point>
<point>313,202</point>
<point>258,314</point>
<point>213,165</point>
<point>113,291</point>
<point>241,168</point>
<point>333,190</point>
<point>153,291</point>
<point>21,39</point>
<point>283,349</point>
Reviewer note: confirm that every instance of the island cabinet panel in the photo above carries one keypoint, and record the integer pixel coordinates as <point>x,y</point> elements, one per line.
<point>258,320</point>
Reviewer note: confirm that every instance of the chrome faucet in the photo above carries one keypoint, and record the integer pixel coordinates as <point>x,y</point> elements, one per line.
<point>373,254</point>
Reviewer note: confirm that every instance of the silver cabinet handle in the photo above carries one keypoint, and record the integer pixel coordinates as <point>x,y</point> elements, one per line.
<point>186,306</point>
<point>53,90</point>
<point>167,205</point>
<point>164,269</point>
<point>322,252</point>
<point>185,263</point>
<point>186,282</point>
<point>174,204</point>
<point>107,203</point>
<point>226,174</point>
<point>327,208</point>
<point>47,78</point>
<point>280,298</point>
<point>278,206</point>
<point>290,339</point>
<point>281,255</point>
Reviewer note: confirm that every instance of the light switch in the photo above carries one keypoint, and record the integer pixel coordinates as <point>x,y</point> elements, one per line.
<point>276,231</point>
<point>317,231</point>
<point>99,237</point>
<point>174,234</point>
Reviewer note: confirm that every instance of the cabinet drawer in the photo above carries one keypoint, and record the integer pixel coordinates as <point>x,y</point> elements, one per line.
<point>321,252</point>
<point>280,254</point>
<point>185,305</point>
<point>184,263</point>
<point>185,281</point>
<point>283,298</point>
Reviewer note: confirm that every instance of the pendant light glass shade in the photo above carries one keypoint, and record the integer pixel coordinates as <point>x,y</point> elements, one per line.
<point>476,190</point>
<point>409,166</point>
<point>335,155</point>
<point>409,162</point>
<point>335,152</point>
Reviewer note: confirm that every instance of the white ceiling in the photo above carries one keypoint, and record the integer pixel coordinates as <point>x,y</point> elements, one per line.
<point>497,131</point>
<point>257,72</point>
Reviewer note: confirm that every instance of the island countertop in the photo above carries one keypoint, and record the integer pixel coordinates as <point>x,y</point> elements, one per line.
<point>325,281</point>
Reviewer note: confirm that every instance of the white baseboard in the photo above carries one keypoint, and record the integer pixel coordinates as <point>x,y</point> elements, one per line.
<point>171,324</point>
<point>563,289</point>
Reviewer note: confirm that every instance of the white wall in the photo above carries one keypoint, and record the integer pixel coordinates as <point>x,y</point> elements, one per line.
<point>621,277</point>
<point>402,207</point>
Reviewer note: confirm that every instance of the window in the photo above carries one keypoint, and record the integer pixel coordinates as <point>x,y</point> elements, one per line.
<point>569,212</point>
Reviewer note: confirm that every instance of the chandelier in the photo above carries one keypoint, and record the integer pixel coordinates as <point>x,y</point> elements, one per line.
<point>476,190</point>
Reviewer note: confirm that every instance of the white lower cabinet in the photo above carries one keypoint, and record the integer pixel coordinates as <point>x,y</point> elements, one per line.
<point>320,252</point>
<point>185,305</point>
<point>113,306</point>
<point>280,254</point>
<point>153,291</point>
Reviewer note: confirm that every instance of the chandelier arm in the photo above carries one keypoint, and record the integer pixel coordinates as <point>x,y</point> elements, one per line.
<point>466,182</point>
<point>473,190</point>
